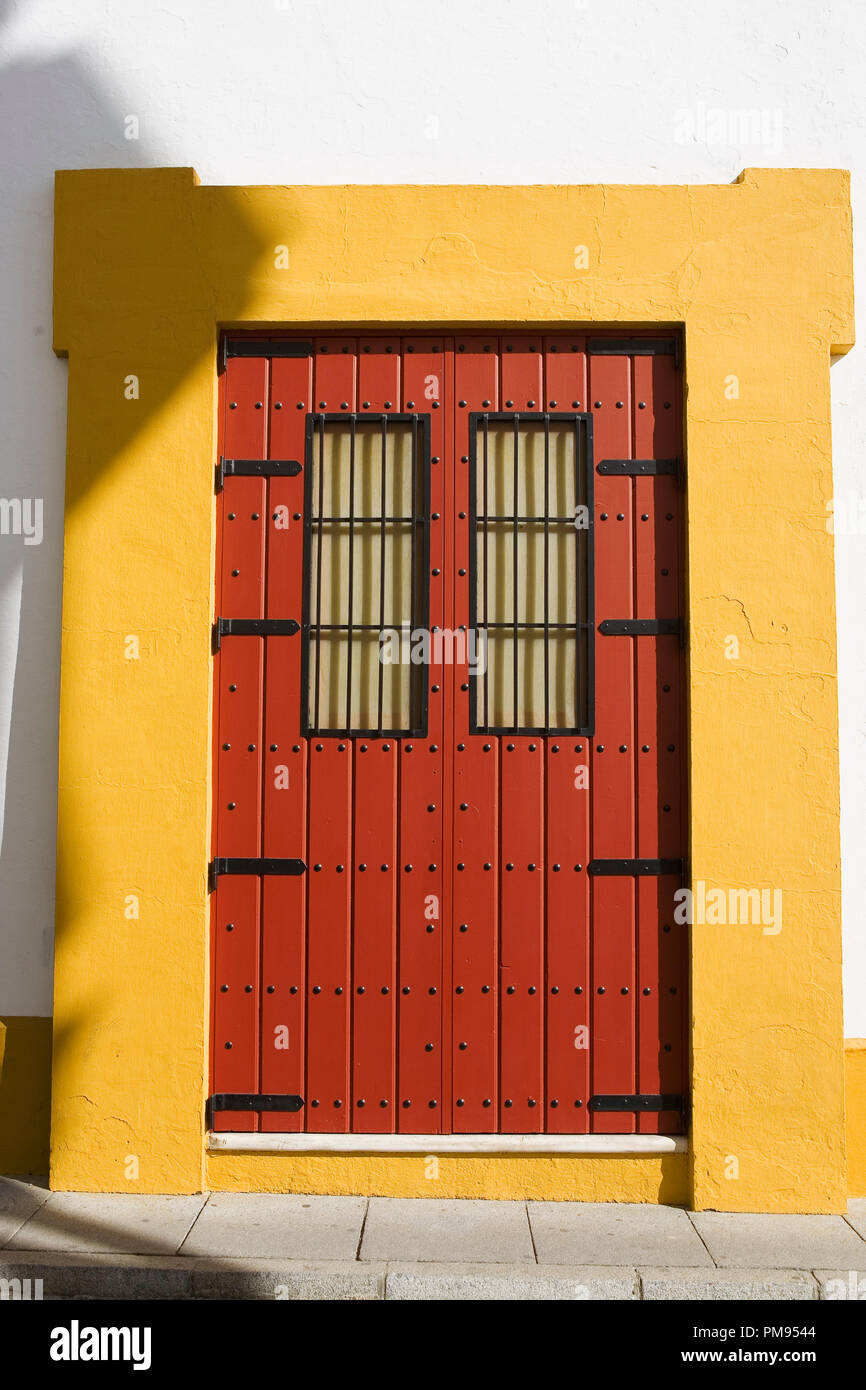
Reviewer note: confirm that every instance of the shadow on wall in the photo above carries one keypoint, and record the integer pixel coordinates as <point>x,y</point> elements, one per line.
<point>53,114</point>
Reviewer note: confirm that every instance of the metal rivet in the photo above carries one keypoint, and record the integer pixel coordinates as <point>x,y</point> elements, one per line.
<point>600,989</point>
<point>463,926</point>
<point>428,1047</point>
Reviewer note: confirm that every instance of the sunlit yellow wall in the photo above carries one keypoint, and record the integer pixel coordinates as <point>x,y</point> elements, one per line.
<point>148,266</point>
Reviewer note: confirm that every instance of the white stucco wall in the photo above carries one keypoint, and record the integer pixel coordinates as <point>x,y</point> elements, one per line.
<point>429,91</point>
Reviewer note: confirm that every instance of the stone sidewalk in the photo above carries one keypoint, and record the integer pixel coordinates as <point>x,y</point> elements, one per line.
<point>302,1247</point>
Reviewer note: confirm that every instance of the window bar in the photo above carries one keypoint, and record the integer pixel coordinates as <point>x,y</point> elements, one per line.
<point>485,609</point>
<point>382,576</point>
<point>546,570</point>
<point>515,567</point>
<point>351,571</point>
<point>319,562</point>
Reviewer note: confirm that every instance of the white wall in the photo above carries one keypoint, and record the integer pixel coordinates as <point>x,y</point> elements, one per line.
<point>331,91</point>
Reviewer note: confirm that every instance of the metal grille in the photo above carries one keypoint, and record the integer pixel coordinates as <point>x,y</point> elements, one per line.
<point>365,573</point>
<point>531,572</point>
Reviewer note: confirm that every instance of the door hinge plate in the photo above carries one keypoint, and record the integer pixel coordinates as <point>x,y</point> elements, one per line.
<point>641,627</point>
<point>639,868</point>
<point>255,468</point>
<point>253,627</point>
<point>251,1104</point>
<point>637,1103</point>
<point>639,468</point>
<point>223,865</point>
<point>263,347</point>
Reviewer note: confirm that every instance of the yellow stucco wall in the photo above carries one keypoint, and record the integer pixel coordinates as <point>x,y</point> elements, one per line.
<point>148,266</point>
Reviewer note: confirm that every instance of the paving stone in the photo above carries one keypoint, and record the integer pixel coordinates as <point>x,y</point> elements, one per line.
<point>19,1199</point>
<point>102,1276</point>
<point>275,1280</point>
<point>614,1233</point>
<point>842,1285</point>
<point>277,1226</point>
<point>857,1215</point>
<point>108,1221</point>
<point>515,1282</point>
<point>457,1231</point>
<point>760,1241</point>
<point>756,1284</point>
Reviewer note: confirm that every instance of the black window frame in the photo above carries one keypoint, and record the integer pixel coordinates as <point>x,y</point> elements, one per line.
<point>584,494</point>
<point>315,424</point>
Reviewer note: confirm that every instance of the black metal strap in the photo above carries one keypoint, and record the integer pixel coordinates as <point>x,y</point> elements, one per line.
<point>253,627</point>
<point>638,468</point>
<point>251,1103</point>
<point>635,347</point>
<point>637,1103</point>
<point>283,867</point>
<point>264,347</point>
<point>641,627</point>
<point>255,468</point>
<point>639,868</point>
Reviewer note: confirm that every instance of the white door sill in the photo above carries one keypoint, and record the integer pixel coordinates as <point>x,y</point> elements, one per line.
<point>448,1143</point>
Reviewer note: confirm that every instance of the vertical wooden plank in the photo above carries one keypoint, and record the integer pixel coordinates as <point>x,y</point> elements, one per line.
<point>474,984</point>
<point>284,755</point>
<point>612,766</point>
<point>329,829</point>
<point>423,905</point>
<point>659,735</point>
<point>522,821</point>
<point>376,869</point>
<point>238,686</point>
<point>568,824</point>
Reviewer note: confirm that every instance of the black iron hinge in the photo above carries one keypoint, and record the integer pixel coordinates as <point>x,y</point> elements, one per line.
<point>637,1103</point>
<point>263,347</point>
<point>281,867</point>
<point>638,468</point>
<point>253,627</point>
<point>641,627</point>
<point>251,1104</point>
<point>255,468</point>
<point>635,347</point>
<point>640,868</point>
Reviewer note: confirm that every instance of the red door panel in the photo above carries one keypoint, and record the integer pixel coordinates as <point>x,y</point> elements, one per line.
<point>457,930</point>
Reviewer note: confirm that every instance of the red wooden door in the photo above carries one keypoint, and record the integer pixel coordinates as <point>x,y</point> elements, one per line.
<point>449,775</point>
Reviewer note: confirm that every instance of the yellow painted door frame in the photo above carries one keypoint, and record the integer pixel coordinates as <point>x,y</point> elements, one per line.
<point>149,268</point>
